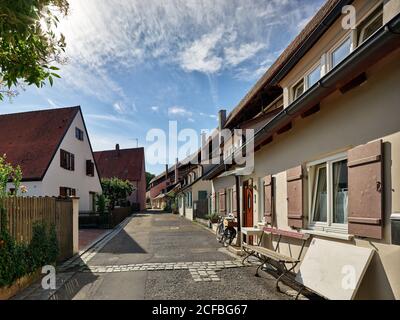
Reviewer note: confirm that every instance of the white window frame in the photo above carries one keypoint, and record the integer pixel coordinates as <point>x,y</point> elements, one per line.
<point>306,85</point>
<point>353,44</point>
<point>362,31</point>
<point>292,89</point>
<point>328,226</point>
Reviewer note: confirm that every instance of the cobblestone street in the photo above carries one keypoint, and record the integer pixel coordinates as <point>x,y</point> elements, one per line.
<point>157,256</point>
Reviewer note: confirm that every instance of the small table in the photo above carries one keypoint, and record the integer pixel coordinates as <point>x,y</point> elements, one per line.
<point>251,231</point>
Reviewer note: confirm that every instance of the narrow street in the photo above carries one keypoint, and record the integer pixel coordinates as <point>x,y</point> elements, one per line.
<point>162,256</point>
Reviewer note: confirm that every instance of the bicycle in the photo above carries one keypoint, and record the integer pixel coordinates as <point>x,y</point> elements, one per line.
<point>225,232</point>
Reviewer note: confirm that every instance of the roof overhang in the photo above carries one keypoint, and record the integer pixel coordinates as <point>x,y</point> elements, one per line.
<point>382,43</point>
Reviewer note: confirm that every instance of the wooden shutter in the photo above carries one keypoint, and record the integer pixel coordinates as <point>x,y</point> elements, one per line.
<point>222,201</point>
<point>268,205</point>
<point>234,202</point>
<point>63,159</point>
<point>63,192</point>
<point>214,202</point>
<point>365,179</point>
<point>89,168</point>
<point>295,197</point>
<point>72,167</point>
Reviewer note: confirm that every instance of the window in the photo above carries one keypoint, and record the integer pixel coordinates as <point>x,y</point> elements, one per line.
<point>79,134</point>
<point>92,201</point>
<point>67,192</point>
<point>340,53</point>
<point>298,89</point>
<point>313,76</point>
<point>329,194</point>
<point>370,25</point>
<point>67,160</point>
<point>90,168</point>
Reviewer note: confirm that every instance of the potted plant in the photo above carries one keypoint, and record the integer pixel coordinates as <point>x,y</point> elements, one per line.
<point>212,218</point>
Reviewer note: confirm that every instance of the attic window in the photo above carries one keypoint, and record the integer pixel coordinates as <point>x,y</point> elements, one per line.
<point>79,134</point>
<point>370,25</point>
<point>298,89</point>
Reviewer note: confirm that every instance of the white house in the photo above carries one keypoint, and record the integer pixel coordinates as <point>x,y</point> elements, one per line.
<point>54,151</point>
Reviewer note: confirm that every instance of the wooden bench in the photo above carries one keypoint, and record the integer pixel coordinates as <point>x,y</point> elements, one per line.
<point>284,263</point>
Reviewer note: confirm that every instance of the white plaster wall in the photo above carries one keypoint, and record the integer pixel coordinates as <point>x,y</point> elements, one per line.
<point>34,188</point>
<point>367,113</point>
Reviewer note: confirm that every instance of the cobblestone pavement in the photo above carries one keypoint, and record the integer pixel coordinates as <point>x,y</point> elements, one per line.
<point>156,256</point>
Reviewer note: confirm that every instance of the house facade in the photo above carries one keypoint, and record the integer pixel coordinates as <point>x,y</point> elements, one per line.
<point>328,163</point>
<point>194,195</point>
<point>125,164</point>
<point>54,152</point>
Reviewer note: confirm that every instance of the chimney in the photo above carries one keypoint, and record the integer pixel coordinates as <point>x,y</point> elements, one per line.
<point>176,171</point>
<point>221,119</point>
<point>117,148</point>
<point>166,173</point>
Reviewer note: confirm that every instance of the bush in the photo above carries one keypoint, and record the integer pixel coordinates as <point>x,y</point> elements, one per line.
<point>116,190</point>
<point>20,259</point>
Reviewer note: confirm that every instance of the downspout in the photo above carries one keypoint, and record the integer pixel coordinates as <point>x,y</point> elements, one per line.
<point>238,212</point>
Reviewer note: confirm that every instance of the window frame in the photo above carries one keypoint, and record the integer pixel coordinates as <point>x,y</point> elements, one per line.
<point>329,225</point>
<point>304,79</point>
<point>69,160</point>
<point>364,24</point>
<point>309,72</point>
<point>348,36</point>
<point>79,134</point>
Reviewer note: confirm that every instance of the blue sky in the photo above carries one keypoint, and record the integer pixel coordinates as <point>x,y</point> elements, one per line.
<point>134,64</point>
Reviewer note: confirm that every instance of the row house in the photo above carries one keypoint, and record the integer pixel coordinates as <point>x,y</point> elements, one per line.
<point>327,141</point>
<point>193,197</point>
<point>162,187</point>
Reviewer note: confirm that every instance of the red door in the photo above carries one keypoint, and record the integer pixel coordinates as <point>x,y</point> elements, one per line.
<point>248,207</point>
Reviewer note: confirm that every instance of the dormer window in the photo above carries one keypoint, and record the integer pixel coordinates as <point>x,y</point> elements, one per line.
<point>313,77</point>
<point>341,52</point>
<point>298,89</point>
<point>370,25</point>
<point>79,134</point>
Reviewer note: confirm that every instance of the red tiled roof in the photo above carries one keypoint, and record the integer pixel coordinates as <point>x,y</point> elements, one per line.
<point>31,139</point>
<point>125,164</point>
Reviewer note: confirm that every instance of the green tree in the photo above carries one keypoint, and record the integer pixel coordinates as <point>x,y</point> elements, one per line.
<point>116,190</point>
<point>29,45</point>
<point>149,177</point>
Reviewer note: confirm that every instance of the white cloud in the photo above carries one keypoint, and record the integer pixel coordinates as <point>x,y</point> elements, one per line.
<point>235,56</point>
<point>109,118</point>
<point>155,108</point>
<point>200,55</point>
<point>179,111</point>
<point>106,37</point>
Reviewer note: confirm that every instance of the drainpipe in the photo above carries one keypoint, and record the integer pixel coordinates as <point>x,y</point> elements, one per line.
<point>238,212</point>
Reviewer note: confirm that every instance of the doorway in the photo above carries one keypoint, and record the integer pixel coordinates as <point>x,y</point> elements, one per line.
<point>248,207</point>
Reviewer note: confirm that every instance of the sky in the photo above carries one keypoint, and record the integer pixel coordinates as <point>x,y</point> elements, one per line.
<point>135,65</point>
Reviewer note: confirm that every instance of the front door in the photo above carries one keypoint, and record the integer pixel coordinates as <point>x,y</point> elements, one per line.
<point>248,207</point>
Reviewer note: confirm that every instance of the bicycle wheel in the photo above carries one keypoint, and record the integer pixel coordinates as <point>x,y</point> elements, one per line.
<point>229,235</point>
<point>220,232</point>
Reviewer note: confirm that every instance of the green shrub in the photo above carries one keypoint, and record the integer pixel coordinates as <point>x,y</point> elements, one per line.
<point>20,259</point>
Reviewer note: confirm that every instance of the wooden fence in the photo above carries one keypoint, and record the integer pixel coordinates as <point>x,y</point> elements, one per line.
<point>23,212</point>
